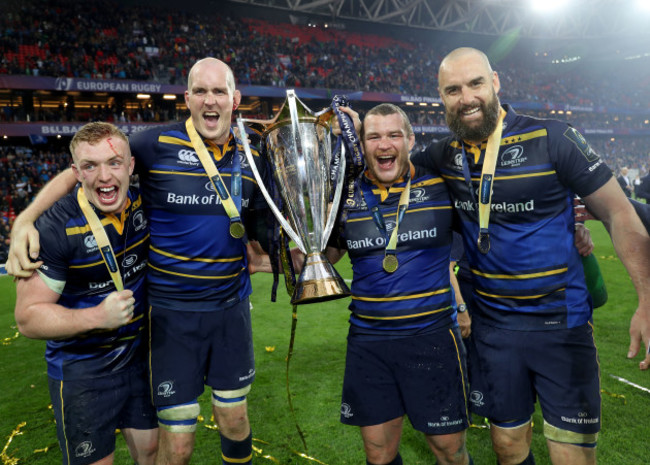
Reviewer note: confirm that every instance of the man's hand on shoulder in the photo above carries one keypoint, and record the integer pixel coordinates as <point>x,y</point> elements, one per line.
<point>23,248</point>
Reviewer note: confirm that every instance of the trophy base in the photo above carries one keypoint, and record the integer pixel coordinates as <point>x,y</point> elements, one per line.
<point>318,282</point>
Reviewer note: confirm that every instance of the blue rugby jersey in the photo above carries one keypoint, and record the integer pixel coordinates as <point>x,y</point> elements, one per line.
<point>417,297</point>
<point>532,277</point>
<point>194,263</point>
<point>70,255</point>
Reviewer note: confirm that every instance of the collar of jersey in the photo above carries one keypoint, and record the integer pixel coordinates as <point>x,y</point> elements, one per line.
<point>118,221</point>
<point>217,150</point>
<point>380,189</point>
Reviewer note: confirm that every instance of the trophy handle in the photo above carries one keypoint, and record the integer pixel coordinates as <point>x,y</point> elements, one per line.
<point>278,215</point>
<point>338,190</point>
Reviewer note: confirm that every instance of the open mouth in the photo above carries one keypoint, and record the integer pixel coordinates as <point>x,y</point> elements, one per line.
<point>211,117</point>
<point>470,113</point>
<point>386,162</point>
<point>107,195</point>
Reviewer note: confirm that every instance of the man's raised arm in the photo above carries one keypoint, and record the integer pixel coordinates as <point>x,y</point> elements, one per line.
<point>24,237</point>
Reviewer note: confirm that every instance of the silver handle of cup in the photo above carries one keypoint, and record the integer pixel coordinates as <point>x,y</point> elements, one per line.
<point>269,200</point>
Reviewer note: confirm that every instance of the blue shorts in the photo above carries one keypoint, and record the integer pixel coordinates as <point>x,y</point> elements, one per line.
<point>192,349</point>
<point>88,412</point>
<point>509,370</point>
<point>421,376</point>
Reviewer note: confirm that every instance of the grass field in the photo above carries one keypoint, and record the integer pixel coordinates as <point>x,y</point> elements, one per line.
<point>316,372</point>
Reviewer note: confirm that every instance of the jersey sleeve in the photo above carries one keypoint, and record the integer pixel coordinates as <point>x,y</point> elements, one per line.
<point>53,251</point>
<point>578,166</point>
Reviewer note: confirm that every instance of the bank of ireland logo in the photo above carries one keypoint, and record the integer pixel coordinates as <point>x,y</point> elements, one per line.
<point>63,83</point>
<point>90,242</point>
<point>390,225</point>
<point>166,389</point>
<point>188,157</point>
<point>85,449</point>
<point>513,156</point>
<point>139,221</point>
<point>476,398</point>
<point>209,186</point>
<point>346,411</point>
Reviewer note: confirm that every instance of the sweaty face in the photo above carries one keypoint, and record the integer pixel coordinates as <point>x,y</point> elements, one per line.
<point>386,144</point>
<point>103,169</point>
<point>209,102</point>
<point>468,89</point>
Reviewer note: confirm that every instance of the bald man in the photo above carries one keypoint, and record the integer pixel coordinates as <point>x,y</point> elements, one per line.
<point>512,179</point>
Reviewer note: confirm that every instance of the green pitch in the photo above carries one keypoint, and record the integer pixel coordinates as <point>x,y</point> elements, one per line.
<point>315,376</point>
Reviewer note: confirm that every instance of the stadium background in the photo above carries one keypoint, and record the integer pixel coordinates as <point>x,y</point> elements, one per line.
<point>67,62</point>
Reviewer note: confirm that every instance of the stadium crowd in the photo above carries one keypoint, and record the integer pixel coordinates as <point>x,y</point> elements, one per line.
<point>144,43</point>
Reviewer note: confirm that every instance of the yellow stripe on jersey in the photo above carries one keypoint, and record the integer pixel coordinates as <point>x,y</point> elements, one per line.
<point>402,317</point>
<point>117,254</point>
<point>516,138</point>
<point>518,297</point>
<point>195,259</point>
<point>401,297</point>
<point>195,276</point>
<point>520,276</point>
<point>504,178</point>
<point>427,182</point>
<point>182,173</point>
<point>414,210</point>
<point>118,223</point>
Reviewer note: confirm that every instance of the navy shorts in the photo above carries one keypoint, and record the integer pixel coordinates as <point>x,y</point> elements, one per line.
<point>509,370</point>
<point>192,349</point>
<point>88,412</point>
<point>421,376</point>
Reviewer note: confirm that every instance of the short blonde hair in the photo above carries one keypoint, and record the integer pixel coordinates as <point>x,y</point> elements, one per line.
<point>94,132</point>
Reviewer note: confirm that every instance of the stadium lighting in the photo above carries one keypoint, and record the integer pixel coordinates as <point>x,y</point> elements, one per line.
<point>143,96</point>
<point>169,97</point>
<point>547,6</point>
<point>643,5</point>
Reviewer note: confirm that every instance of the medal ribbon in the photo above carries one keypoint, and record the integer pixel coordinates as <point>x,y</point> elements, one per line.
<point>231,206</point>
<point>377,217</point>
<point>487,181</point>
<point>354,154</point>
<point>102,239</point>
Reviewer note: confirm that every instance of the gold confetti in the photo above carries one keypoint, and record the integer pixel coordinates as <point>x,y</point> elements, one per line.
<point>8,340</point>
<point>615,396</point>
<point>270,348</point>
<point>6,459</point>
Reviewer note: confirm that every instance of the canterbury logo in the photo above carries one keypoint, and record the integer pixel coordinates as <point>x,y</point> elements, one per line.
<point>188,156</point>
<point>90,242</point>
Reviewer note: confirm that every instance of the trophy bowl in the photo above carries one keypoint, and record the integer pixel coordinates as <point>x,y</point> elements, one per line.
<point>297,146</point>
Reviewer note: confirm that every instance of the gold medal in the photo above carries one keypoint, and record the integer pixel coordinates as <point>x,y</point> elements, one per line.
<point>483,243</point>
<point>237,229</point>
<point>390,263</point>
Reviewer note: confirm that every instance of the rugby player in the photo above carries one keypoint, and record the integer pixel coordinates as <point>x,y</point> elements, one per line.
<point>93,316</point>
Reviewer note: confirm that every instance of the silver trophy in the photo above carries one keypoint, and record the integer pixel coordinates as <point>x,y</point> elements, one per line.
<point>298,148</point>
